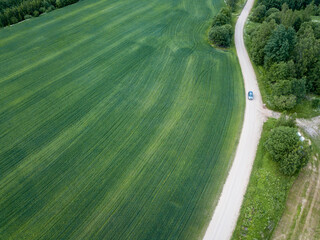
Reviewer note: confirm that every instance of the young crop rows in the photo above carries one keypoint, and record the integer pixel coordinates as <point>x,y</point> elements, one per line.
<point>118,121</point>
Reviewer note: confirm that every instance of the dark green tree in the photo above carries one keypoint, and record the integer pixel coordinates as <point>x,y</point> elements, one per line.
<point>307,53</point>
<point>280,71</point>
<point>232,4</point>
<point>298,88</point>
<point>259,40</point>
<point>284,102</point>
<point>294,161</point>
<point>313,79</point>
<point>271,11</point>
<point>280,45</point>
<point>272,3</point>
<point>281,141</point>
<point>222,18</point>
<point>285,147</point>
<point>258,14</point>
<point>221,35</point>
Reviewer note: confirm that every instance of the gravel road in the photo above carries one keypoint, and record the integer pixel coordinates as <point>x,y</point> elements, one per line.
<point>226,212</point>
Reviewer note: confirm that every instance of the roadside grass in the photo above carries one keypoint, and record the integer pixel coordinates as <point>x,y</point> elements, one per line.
<point>264,201</point>
<point>118,119</point>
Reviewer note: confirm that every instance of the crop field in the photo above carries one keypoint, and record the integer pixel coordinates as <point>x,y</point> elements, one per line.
<point>118,121</point>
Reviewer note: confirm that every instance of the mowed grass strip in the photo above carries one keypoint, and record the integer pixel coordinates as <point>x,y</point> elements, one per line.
<point>118,121</point>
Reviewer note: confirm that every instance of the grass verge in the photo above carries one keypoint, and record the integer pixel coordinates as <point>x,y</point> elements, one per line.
<point>266,195</point>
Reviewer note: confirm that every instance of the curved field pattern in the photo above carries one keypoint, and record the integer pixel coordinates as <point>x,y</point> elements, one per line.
<point>118,121</point>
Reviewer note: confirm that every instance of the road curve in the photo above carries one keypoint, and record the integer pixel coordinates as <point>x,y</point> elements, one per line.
<point>227,210</point>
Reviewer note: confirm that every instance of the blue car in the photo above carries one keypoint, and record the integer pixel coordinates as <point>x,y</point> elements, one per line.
<point>250,95</point>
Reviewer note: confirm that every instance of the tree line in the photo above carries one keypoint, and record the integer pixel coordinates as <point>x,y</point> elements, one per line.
<point>287,44</point>
<point>221,31</point>
<point>14,11</point>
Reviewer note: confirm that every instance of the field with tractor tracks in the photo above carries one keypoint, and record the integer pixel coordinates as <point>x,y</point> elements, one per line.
<point>118,121</point>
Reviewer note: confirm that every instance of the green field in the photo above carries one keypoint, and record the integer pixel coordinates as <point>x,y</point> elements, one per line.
<point>118,121</point>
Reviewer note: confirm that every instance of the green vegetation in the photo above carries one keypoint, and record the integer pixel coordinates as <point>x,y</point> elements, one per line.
<point>14,11</point>
<point>286,43</point>
<point>284,146</point>
<point>221,31</point>
<point>265,199</point>
<point>301,218</point>
<point>280,156</point>
<point>118,121</point>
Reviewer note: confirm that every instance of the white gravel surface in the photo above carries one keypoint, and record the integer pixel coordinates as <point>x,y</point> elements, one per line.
<point>227,210</point>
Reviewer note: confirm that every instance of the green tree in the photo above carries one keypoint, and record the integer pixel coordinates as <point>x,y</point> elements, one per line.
<point>316,29</point>
<point>272,3</point>
<point>298,88</point>
<point>222,18</point>
<point>13,20</point>
<point>284,102</point>
<point>313,79</point>
<point>221,35</point>
<point>282,87</point>
<point>307,52</point>
<point>280,71</point>
<point>297,4</point>
<point>285,147</point>
<point>271,11</point>
<point>281,141</point>
<point>259,40</point>
<point>232,4</point>
<point>288,17</point>
<point>258,14</point>
<point>36,13</point>
<point>280,45</point>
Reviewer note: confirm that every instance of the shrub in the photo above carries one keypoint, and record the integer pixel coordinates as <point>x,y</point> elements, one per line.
<point>280,71</point>
<point>27,16</point>
<point>284,102</point>
<point>59,3</point>
<point>221,35</point>
<point>315,103</point>
<point>222,18</point>
<point>50,8</point>
<point>286,121</point>
<point>42,10</point>
<point>13,20</point>
<point>36,13</point>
